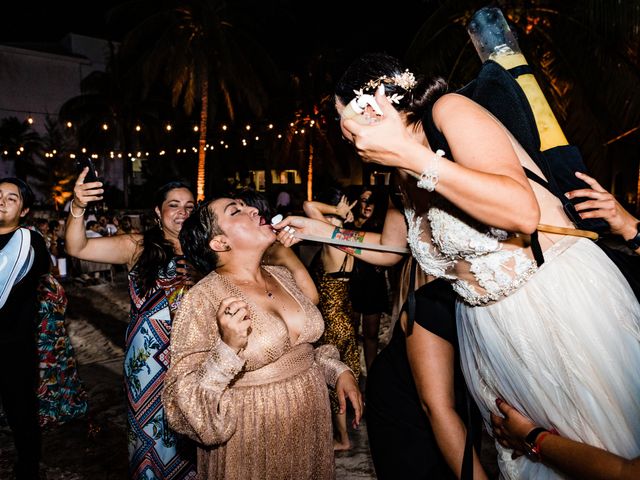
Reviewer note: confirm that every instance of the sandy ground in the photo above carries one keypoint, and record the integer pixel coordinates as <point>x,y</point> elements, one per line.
<point>94,447</point>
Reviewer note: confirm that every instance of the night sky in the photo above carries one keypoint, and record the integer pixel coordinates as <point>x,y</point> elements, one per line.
<point>36,21</point>
<point>354,25</point>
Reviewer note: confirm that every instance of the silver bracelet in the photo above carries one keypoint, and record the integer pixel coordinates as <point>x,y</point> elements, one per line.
<point>80,215</point>
<point>429,177</point>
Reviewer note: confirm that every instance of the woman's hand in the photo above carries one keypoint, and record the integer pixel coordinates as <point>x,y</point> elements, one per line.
<point>83,193</point>
<point>187,273</point>
<point>347,387</point>
<point>604,206</point>
<point>343,209</point>
<point>234,323</point>
<point>287,229</point>
<point>385,140</point>
<point>511,428</point>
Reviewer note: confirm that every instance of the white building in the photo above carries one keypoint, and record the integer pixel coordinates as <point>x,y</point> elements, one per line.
<point>37,79</point>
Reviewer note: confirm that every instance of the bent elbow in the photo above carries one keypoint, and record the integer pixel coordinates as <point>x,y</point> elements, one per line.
<point>389,260</point>
<point>528,219</point>
<point>528,227</point>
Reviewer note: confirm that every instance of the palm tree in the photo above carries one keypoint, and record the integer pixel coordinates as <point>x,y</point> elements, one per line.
<point>59,172</point>
<point>313,142</point>
<point>199,49</point>
<point>584,54</point>
<point>107,114</point>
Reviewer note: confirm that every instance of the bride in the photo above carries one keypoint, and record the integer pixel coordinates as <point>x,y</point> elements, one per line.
<point>558,337</point>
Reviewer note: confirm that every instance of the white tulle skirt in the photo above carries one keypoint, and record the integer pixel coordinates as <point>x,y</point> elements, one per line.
<point>565,350</point>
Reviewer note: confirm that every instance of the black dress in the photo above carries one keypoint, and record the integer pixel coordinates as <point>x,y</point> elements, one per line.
<point>401,440</point>
<point>368,282</point>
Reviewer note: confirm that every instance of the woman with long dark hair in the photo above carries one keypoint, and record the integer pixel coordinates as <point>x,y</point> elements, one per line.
<point>158,278</point>
<point>368,283</point>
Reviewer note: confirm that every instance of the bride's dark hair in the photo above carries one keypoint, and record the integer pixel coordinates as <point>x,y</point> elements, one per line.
<point>416,102</point>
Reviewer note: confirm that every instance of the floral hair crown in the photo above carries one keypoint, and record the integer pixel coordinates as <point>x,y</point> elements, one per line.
<point>405,80</point>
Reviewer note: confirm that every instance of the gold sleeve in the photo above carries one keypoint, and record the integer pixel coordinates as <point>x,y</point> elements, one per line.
<point>197,399</point>
<point>328,358</point>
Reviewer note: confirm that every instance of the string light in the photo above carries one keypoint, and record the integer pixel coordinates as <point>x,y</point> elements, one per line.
<point>296,127</point>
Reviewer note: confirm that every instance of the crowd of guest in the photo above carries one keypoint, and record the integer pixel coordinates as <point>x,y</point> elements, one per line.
<point>243,357</point>
<point>327,280</point>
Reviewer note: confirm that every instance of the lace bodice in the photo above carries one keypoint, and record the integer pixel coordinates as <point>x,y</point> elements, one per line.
<point>474,257</point>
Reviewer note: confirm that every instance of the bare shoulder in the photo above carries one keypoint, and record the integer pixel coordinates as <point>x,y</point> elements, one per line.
<point>456,105</point>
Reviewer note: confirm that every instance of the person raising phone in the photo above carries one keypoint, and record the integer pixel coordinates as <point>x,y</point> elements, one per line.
<point>158,278</point>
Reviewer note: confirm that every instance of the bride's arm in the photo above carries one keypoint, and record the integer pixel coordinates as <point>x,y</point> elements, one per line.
<point>486,180</point>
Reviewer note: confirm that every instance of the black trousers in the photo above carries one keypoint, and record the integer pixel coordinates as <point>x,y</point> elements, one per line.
<point>18,381</point>
<point>401,440</point>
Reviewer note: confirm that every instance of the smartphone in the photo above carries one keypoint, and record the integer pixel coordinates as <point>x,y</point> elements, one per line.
<point>92,175</point>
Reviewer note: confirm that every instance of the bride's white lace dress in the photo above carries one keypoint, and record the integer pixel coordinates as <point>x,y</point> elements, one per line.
<point>561,343</point>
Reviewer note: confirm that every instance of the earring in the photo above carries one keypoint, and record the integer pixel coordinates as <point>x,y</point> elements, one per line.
<point>159,223</point>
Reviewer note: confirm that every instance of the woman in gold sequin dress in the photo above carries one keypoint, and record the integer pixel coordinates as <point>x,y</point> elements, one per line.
<point>245,381</point>
<point>331,269</point>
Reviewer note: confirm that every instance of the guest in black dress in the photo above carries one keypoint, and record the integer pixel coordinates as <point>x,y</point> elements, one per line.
<point>368,283</point>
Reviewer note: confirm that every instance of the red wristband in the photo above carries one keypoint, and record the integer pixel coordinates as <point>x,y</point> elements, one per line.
<point>539,440</point>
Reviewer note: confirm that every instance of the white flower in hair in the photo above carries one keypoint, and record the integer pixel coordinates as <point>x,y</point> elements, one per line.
<point>405,80</point>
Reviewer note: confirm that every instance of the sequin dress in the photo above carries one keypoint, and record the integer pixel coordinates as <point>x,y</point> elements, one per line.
<point>61,393</point>
<point>335,307</point>
<point>155,451</point>
<point>262,414</point>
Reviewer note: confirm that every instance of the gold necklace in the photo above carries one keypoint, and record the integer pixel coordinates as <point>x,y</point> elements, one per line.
<point>268,292</point>
<point>266,287</point>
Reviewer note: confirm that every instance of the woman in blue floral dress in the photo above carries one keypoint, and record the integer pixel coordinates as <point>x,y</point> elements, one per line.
<point>158,277</point>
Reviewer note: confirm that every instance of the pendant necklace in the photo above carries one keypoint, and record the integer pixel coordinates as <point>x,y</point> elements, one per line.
<point>266,287</point>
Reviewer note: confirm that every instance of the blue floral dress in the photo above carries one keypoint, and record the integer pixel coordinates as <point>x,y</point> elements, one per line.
<point>155,451</point>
